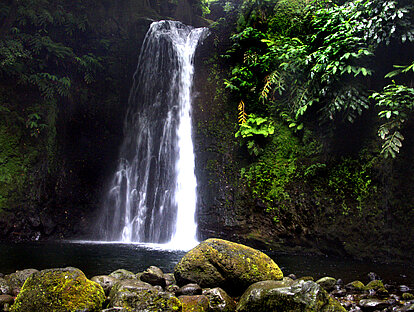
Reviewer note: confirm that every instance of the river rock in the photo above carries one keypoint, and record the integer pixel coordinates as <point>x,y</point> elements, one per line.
<point>373,276</point>
<point>138,296</point>
<point>355,286</point>
<point>189,290</point>
<point>122,274</point>
<point>65,289</point>
<point>287,295</point>
<point>327,283</point>
<point>17,279</point>
<point>105,281</point>
<point>219,300</point>
<point>5,302</point>
<point>407,296</point>
<point>154,276</point>
<point>5,288</point>
<point>197,303</point>
<point>169,279</point>
<point>373,304</point>
<point>376,286</point>
<point>231,266</point>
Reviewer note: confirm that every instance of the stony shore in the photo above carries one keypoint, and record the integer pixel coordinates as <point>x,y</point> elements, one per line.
<point>216,276</point>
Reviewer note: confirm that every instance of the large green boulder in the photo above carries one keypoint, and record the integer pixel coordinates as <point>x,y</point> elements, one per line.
<point>138,296</point>
<point>59,290</point>
<point>231,266</point>
<point>287,295</point>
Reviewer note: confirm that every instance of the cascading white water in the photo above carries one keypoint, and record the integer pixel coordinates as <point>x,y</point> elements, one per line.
<point>152,197</point>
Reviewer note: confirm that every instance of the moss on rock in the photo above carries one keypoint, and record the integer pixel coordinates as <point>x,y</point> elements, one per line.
<point>134,295</point>
<point>59,290</point>
<point>287,295</point>
<point>355,286</point>
<point>231,266</point>
<point>197,303</point>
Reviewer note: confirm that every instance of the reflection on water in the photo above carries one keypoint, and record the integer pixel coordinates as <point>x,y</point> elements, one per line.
<point>103,258</point>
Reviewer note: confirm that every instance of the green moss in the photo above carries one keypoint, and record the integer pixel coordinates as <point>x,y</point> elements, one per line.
<point>13,168</point>
<point>220,263</point>
<point>59,290</point>
<point>356,286</point>
<point>268,178</point>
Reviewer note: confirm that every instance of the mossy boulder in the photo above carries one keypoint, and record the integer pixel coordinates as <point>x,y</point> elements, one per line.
<point>231,266</point>
<point>59,290</point>
<point>378,287</point>
<point>197,303</point>
<point>356,286</point>
<point>138,296</point>
<point>287,295</point>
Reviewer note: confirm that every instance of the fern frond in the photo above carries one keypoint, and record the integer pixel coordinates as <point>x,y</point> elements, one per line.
<point>273,82</point>
<point>242,113</point>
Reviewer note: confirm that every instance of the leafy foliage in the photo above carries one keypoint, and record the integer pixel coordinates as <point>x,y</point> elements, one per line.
<point>252,130</point>
<point>396,103</point>
<point>300,71</point>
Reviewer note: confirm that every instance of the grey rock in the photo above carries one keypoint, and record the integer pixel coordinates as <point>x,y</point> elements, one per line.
<point>373,276</point>
<point>105,281</point>
<point>373,304</point>
<point>122,274</point>
<point>219,300</point>
<point>287,295</point>
<point>138,296</point>
<point>327,283</point>
<point>5,302</point>
<point>17,279</point>
<point>5,288</point>
<point>189,290</point>
<point>169,279</point>
<point>154,276</point>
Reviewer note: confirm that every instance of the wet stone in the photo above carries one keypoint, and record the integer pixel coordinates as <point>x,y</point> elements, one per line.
<point>154,276</point>
<point>189,290</point>
<point>5,288</point>
<point>6,299</point>
<point>327,283</point>
<point>105,281</point>
<point>373,304</point>
<point>122,274</point>
<point>373,276</point>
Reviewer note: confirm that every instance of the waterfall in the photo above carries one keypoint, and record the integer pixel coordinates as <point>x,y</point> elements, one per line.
<point>152,196</point>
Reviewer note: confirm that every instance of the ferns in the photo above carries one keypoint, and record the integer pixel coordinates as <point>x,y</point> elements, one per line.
<point>273,82</point>
<point>50,85</point>
<point>242,113</point>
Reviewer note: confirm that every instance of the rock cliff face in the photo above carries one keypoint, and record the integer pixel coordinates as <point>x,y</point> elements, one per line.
<point>316,218</point>
<point>64,184</point>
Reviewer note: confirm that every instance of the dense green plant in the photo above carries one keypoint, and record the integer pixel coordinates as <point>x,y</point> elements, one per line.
<point>268,178</point>
<point>319,69</point>
<point>397,104</point>
<point>252,129</point>
<point>351,181</point>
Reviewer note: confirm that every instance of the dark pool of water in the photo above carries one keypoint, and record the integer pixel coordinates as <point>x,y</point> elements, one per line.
<point>95,259</point>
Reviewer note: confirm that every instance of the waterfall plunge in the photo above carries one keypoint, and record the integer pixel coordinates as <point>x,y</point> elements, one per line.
<point>152,196</point>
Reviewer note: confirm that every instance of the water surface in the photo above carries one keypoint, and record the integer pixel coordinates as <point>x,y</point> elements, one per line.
<point>103,258</point>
